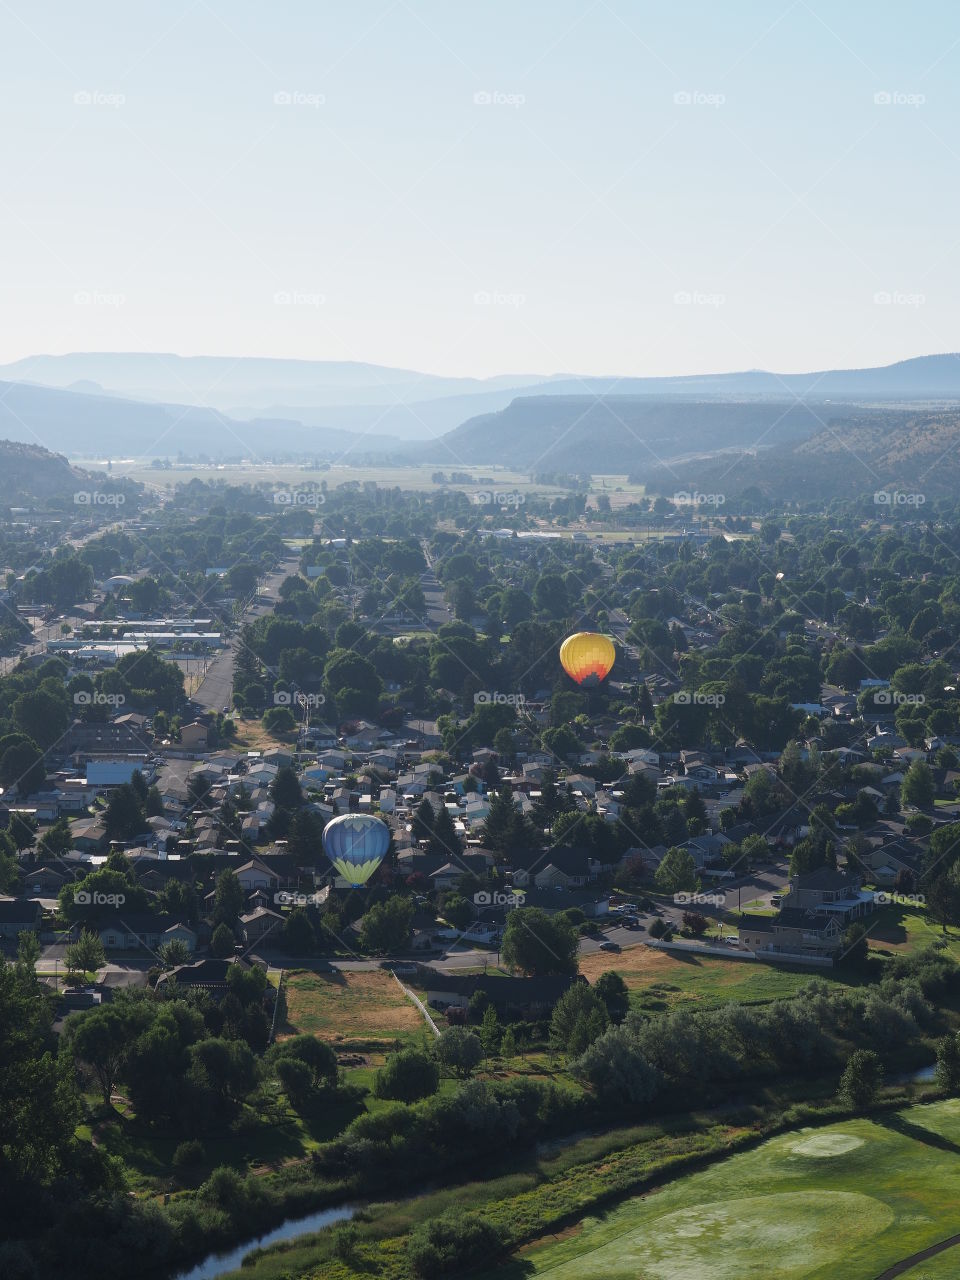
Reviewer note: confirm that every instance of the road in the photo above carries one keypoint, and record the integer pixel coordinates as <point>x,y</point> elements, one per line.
<point>216,689</point>
<point>436,611</point>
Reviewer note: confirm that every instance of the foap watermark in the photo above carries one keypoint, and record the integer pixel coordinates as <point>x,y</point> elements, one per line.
<point>684,499</point>
<point>894,498</point>
<point>287,899</point>
<point>297,698</point>
<point>489,697</point>
<point>497,898</point>
<point>298,498</point>
<point>699,899</point>
<point>492,498</point>
<point>883,898</point>
<point>697,98</point>
<point>497,98</point>
<point>98,98</point>
<point>298,98</point>
<point>897,98</point>
<point>96,498</point>
<point>83,698</point>
<point>895,298</point>
<point>891,698</point>
<point>491,298</point>
<point>694,698</point>
<point>294,298</point>
<point>93,298</point>
<point>82,898</point>
<point>694,298</point>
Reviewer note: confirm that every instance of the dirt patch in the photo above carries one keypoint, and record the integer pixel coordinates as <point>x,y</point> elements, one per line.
<point>349,1006</point>
<point>638,966</point>
<point>566,1234</point>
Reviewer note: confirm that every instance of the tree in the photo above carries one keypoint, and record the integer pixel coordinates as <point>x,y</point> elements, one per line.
<point>460,1050</point>
<point>457,911</point>
<point>228,898</point>
<point>677,872</point>
<point>22,767</point>
<point>614,993</point>
<point>86,955</point>
<point>174,953</point>
<point>918,786</point>
<point>943,895</point>
<point>386,926</point>
<point>451,1245</point>
<point>490,1031</point>
<point>42,716</point>
<point>948,1064</point>
<point>695,922</point>
<point>538,943</point>
<point>861,1080</point>
<point>285,789</point>
<point>124,817</point>
<point>101,1038</point>
<point>579,1017</point>
<point>617,1070</point>
<point>319,1057</point>
<point>298,935</point>
<point>222,942</point>
<point>407,1076</point>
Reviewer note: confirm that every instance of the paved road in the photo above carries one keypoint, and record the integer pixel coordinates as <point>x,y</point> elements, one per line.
<point>216,689</point>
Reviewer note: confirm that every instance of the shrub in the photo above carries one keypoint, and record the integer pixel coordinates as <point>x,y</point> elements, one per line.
<point>456,1241</point>
<point>407,1076</point>
<point>188,1154</point>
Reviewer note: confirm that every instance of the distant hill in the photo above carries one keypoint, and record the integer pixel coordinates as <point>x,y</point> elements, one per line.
<point>82,424</point>
<point>34,477</point>
<point>907,451</point>
<point>617,433</point>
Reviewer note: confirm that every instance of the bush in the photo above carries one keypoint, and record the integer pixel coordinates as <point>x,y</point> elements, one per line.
<point>456,1241</point>
<point>188,1154</point>
<point>407,1076</point>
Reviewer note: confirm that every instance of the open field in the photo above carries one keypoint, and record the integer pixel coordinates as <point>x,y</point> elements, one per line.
<point>902,930</point>
<point>660,980</point>
<point>350,1007</point>
<point>839,1203</point>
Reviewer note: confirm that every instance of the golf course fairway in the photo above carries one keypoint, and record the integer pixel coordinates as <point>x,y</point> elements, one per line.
<point>844,1202</point>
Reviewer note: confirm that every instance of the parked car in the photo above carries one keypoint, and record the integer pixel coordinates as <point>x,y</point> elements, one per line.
<point>609,946</point>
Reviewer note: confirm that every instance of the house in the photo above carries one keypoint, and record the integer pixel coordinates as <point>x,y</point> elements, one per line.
<point>511,997</point>
<point>89,835</point>
<point>826,890</point>
<point>209,975</point>
<point>795,932</point>
<point>18,916</point>
<point>254,875</point>
<point>258,923</point>
<point>140,930</point>
<point>194,735</point>
<point>45,880</point>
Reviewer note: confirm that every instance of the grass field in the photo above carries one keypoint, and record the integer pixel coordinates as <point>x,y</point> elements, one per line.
<point>345,1008</point>
<point>839,1203</point>
<point>902,930</point>
<point>661,980</point>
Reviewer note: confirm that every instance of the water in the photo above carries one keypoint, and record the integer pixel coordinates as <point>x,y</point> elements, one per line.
<point>922,1076</point>
<point>215,1265</point>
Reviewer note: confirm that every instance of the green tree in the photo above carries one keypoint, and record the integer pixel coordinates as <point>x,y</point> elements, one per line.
<point>407,1076</point>
<point>579,1017</point>
<point>125,816</point>
<point>490,1032</point>
<point>460,1050</point>
<point>86,955</point>
<point>948,1064</point>
<point>677,872</point>
<point>861,1080</point>
<point>614,993</point>
<point>228,898</point>
<point>222,942</point>
<point>538,943</point>
<point>386,926</point>
<point>918,786</point>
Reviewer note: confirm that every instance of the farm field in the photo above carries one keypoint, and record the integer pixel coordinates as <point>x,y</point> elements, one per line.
<point>350,1008</point>
<point>839,1203</point>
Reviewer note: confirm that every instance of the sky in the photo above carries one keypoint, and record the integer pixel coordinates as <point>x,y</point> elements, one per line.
<point>533,186</point>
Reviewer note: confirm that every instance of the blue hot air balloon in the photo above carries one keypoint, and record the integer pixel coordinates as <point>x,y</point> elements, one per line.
<point>356,844</point>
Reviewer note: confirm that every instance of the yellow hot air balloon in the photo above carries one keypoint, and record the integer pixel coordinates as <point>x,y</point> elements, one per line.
<point>587,657</point>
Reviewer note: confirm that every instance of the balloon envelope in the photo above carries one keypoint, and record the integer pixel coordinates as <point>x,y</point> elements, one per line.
<point>587,657</point>
<point>356,844</point>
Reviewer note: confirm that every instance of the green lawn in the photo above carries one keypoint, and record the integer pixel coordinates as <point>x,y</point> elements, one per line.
<point>902,930</point>
<point>838,1203</point>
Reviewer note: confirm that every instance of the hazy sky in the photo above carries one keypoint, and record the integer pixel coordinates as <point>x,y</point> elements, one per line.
<point>519,185</point>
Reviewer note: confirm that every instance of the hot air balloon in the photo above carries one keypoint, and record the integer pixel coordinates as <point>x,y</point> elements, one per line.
<point>587,657</point>
<point>356,844</point>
